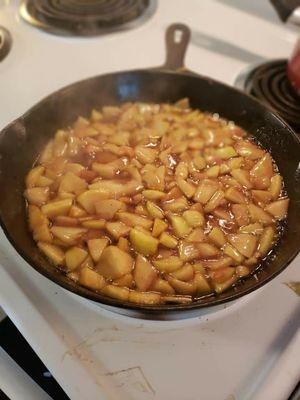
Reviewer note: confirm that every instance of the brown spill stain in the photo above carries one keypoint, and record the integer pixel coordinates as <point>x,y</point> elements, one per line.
<point>133,376</point>
<point>295,286</point>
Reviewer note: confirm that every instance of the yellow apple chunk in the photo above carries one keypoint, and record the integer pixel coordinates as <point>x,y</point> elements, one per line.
<point>116,292</point>
<point>56,255</point>
<point>91,279</point>
<point>262,172</point>
<point>71,183</point>
<point>162,286</point>
<point>194,218</point>
<point>235,195</point>
<point>67,234</point>
<point>117,229</point>
<point>266,241</point>
<point>147,298</point>
<point>168,264</point>
<point>185,273</point>
<point>278,208</point>
<point>180,226</point>
<point>55,208</point>
<point>245,243</point>
<point>96,247</point>
<point>168,240</point>
<point>89,198</point>
<point>107,208</point>
<point>205,190</point>
<point>144,274</point>
<point>143,243</point>
<point>74,257</point>
<point>217,237</point>
<point>114,263</point>
<point>241,214</point>
<point>257,214</point>
<point>37,195</point>
<point>133,220</point>
<point>159,226</point>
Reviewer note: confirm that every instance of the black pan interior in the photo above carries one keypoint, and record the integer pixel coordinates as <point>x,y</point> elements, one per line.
<point>21,142</point>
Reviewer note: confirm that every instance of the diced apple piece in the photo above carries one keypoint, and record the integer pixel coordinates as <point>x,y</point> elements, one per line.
<point>94,223</point>
<point>143,243</point>
<point>278,208</point>
<point>43,181</point>
<point>221,287</point>
<point>162,286</point>
<point>131,219</point>
<point>245,243</point>
<point>91,279</point>
<point>187,188</point>
<point>207,250</point>
<point>55,208</point>
<point>215,201</point>
<point>242,176</point>
<point>75,168</point>
<point>117,229</point>
<point>159,226</point>
<point>202,285</point>
<point>77,212</point>
<point>154,178</point>
<point>177,205</point>
<point>36,217</point>
<point>220,263</point>
<point>199,162</point>
<point>188,251</point>
<point>153,194</point>
<point>225,152</point>
<point>176,299</point>
<point>257,214</point>
<point>217,237</point>
<point>213,172</point>
<point>144,274</point>
<point>168,240</point>
<point>194,218</point>
<point>182,170</point>
<point>266,241</point>
<point>221,275</point>
<point>248,150</point>
<point>37,195</point>
<point>153,210</point>
<point>63,220</point>
<point>261,196</point>
<point>180,226</point>
<point>242,271</point>
<point>275,186</point>
<point>114,263</point>
<point>262,172</point>
<point>233,253</point>
<point>173,194</point>
<point>96,247</point>
<point>205,190</point>
<point>198,267</point>
<point>123,244</point>
<point>116,292</point>
<point>42,233</point>
<point>255,229</point>
<point>234,163</point>
<point>74,257</point>
<point>197,235</point>
<point>241,214</point>
<point>107,208</point>
<point>89,198</point>
<point>71,183</point>
<point>185,273</point>
<point>144,297</point>
<point>68,234</point>
<point>33,176</point>
<point>181,287</point>
<point>145,155</point>
<point>109,170</point>
<point>125,280</point>
<point>234,195</point>
<point>88,263</point>
<point>169,264</point>
<point>56,255</point>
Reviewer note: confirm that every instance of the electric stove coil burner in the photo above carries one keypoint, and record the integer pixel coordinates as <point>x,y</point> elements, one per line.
<point>269,83</point>
<point>86,17</point>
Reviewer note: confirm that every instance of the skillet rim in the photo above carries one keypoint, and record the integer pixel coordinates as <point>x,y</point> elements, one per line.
<point>213,299</point>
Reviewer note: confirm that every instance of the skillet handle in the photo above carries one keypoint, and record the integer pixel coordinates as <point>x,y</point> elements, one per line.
<point>177,40</point>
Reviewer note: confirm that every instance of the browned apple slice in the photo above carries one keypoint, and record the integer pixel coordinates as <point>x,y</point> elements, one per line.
<point>202,285</point>
<point>197,235</point>
<point>262,172</point>
<point>248,150</point>
<point>180,226</point>
<point>275,186</point>
<point>68,234</point>
<point>185,273</point>
<point>116,292</point>
<point>33,176</point>
<point>220,263</point>
<point>207,250</point>
<point>144,274</point>
<point>261,196</point>
<point>241,214</point>
<point>37,195</point>
<point>55,253</point>
<point>159,226</point>
<point>215,201</point>
<point>107,208</point>
<point>91,279</point>
<point>235,195</point>
<point>217,236</point>
<point>162,286</point>
<point>168,264</point>
<point>222,274</point>
<point>266,241</point>
<point>71,183</point>
<point>96,247</point>
<point>131,219</point>
<point>205,190</point>
<point>181,287</point>
<point>114,263</point>
<point>242,176</point>
<point>143,242</point>
<point>74,257</point>
<point>245,243</point>
<point>188,250</point>
<point>117,229</point>
<point>194,218</point>
<point>278,208</point>
<point>257,214</point>
<point>144,297</point>
<point>125,280</point>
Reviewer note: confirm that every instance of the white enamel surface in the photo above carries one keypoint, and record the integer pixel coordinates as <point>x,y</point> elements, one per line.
<point>249,349</point>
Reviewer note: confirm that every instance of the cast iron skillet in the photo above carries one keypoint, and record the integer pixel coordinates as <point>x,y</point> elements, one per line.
<point>22,141</point>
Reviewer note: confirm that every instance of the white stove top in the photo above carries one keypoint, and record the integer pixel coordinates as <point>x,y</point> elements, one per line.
<point>249,350</point>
